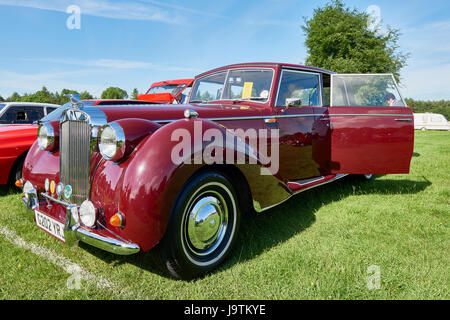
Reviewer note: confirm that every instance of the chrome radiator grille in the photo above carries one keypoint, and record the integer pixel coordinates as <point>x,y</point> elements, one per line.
<point>75,158</point>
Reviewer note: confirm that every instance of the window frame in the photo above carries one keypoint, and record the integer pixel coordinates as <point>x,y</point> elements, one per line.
<point>319,74</point>
<point>226,79</point>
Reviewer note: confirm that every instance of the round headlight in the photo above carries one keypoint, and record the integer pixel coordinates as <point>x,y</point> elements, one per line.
<point>112,142</point>
<point>46,136</point>
<point>88,214</point>
<point>27,188</point>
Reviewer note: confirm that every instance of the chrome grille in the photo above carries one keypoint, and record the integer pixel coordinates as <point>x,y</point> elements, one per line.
<point>75,158</point>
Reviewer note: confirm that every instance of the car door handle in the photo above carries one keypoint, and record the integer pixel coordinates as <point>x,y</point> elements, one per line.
<point>403,120</point>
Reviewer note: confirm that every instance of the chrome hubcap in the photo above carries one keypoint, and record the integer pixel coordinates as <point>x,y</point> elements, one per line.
<point>206,224</point>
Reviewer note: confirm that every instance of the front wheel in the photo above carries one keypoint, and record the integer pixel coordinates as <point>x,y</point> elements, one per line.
<point>202,228</point>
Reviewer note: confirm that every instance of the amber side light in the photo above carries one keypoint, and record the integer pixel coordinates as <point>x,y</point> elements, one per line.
<point>19,183</point>
<point>116,220</point>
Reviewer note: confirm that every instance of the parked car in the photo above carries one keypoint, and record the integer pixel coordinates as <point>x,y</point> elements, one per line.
<point>24,112</point>
<point>17,134</point>
<point>430,121</point>
<point>132,178</point>
<point>170,91</point>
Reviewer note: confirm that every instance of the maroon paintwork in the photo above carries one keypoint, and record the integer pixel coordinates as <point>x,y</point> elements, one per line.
<point>316,143</point>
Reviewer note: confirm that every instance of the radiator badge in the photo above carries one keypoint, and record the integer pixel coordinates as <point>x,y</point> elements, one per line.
<point>68,192</point>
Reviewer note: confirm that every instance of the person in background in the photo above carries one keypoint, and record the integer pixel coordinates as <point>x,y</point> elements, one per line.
<point>392,101</point>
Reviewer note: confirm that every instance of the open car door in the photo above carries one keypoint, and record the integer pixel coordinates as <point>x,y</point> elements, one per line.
<point>371,127</point>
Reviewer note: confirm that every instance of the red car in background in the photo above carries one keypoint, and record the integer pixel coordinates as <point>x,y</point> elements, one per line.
<point>170,91</point>
<point>17,134</point>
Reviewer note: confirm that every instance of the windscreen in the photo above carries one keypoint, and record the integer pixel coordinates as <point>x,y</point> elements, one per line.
<point>365,90</point>
<point>163,89</point>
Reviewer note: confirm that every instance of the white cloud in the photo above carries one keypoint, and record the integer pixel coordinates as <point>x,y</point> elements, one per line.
<point>126,10</point>
<point>54,81</point>
<point>113,64</point>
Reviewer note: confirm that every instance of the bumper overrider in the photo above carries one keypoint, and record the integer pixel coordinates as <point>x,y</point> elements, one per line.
<point>73,231</point>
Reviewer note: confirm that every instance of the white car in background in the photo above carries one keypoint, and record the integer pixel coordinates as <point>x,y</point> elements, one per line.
<point>430,121</point>
<point>24,112</point>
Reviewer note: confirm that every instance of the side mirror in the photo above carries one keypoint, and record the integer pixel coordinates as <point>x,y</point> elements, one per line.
<point>293,102</point>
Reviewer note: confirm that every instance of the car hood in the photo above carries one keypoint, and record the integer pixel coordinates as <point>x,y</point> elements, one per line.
<point>172,112</point>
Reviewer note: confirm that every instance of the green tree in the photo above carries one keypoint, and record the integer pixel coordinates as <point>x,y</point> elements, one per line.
<point>338,39</point>
<point>135,94</point>
<point>114,93</point>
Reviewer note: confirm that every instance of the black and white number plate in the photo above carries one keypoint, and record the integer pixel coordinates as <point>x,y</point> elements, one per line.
<point>50,225</point>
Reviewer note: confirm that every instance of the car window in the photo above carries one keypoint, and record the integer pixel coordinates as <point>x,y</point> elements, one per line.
<point>34,113</point>
<point>22,115</point>
<point>162,89</point>
<point>299,85</point>
<point>252,84</point>
<point>365,90</point>
<point>209,87</point>
<point>50,109</point>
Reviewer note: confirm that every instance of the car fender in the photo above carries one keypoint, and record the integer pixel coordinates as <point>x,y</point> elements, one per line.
<point>145,186</point>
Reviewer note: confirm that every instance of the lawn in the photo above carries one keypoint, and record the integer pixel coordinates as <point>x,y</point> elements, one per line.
<point>387,238</point>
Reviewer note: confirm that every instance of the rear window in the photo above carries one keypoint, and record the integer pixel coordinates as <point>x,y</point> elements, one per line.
<point>365,90</point>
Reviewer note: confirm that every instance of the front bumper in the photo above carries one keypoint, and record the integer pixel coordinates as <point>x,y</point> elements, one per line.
<point>73,232</point>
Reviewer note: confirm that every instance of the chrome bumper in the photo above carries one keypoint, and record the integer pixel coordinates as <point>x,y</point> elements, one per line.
<point>74,233</point>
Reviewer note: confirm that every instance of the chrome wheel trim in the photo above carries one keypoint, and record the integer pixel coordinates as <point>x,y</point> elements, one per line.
<point>215,219</point>
<point>368,176</point>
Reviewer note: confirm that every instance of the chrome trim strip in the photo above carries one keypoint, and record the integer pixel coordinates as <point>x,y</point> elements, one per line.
<point>291,116</point>
<point>61,202</point>
<point>307,181</point>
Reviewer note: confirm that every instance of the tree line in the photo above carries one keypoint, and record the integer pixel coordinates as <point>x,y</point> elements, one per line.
<point>46,96</point>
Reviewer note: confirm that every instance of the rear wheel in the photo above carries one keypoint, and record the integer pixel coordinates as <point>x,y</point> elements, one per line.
<point>16,171</point>
<point>202,228</point>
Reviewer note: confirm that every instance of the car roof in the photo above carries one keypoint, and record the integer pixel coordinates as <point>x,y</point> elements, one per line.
<point>34,104</point>
<point>267,64</point>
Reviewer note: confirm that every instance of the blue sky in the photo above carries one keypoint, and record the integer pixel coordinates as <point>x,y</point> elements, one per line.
<point>131,44</point>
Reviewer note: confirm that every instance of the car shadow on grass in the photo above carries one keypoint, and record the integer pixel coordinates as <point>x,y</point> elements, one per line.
<point>260,232</point>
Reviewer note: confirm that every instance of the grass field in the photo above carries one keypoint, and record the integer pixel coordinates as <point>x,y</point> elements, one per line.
<point>326,243</point>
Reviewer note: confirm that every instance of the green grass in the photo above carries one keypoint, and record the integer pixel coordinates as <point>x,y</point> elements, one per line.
<point>317,245</point>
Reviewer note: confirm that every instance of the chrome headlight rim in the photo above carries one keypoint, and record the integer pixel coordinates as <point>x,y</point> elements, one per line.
<point>118,151</point>
<point>49,137</point>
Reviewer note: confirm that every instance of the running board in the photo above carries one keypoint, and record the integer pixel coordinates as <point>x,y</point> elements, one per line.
<point>302,185</point>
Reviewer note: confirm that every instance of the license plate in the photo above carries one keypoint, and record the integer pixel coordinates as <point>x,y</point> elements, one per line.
<point>50,225</point>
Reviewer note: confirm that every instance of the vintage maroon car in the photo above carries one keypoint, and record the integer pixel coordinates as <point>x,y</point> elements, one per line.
<point>169,91</point>
<point>128,179</point>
